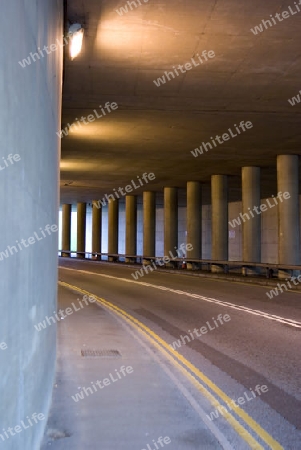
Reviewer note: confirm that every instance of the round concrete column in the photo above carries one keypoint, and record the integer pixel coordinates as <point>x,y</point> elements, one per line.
<point>288,212</point>
<point>113,207</point>
<point>96,230</point>
<point>170,222</point>
<point>130,226</point>
<point>251,221</point>
<point>219,217</point>
<point>66,229</point>
<point>194,222</point>
<point>149,224</point>
<point>81,229</point>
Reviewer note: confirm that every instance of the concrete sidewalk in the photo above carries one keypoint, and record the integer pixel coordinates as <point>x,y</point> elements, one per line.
<point>131,402</point>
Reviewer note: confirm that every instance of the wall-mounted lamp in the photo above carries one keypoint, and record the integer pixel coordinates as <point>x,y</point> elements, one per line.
<point>76,33</point>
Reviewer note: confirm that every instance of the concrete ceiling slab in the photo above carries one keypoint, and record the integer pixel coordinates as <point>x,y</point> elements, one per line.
<point>155,128</point>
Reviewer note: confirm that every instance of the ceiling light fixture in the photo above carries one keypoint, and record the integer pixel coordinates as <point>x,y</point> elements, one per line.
<point>76,33</point>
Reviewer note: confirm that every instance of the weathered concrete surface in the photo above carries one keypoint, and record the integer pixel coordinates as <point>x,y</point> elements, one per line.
<point>29,119</point>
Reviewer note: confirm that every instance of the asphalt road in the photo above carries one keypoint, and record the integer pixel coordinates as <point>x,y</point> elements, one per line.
<point>243,338</point>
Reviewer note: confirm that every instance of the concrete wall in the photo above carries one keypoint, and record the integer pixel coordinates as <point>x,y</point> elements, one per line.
<point>104,233</point>
<point>159,227</point>
<point>29,120</point>
<point>121,227</point>
<point>89,228</point>
<point>139,226</point>
<point>235,234</point>
<point>206,231</point>
<point>73,242</point>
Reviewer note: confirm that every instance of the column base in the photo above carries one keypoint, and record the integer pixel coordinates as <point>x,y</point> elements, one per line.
<point>250,271</point>
<point>146,262</point>
<point>171,265</point>
<point>112,258</point>
<point>65,255</point>
<point>193,266</point>
<point>130,260</point>
<point>217,268</point>
<point>283,274</point>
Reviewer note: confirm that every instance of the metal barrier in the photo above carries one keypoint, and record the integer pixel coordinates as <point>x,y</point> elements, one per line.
<point>225,265</point>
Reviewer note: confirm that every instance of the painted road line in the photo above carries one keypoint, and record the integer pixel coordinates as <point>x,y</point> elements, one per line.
<point>256,312</point>
<point>143,339</point>
<point>266,437</point>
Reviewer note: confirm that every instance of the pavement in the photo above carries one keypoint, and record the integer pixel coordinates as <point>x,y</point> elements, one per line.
<point>135,401</point>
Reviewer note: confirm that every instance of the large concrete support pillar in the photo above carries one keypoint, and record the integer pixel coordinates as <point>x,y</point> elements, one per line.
<point>66,229</point>
<point>96,230</point>
<point>113,207</point>
<point>288,211</point>
<point>251,221</point>
<point>219,216</point>
<point>81,229</point>
<point>149,224</point>
<point>29,204</point>
<point>170,221</point>
<point>130,226</point>
<point>194,222</point>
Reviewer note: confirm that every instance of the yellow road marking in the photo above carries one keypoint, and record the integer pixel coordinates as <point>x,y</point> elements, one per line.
<point>167,350</point>
<point>226,304</point>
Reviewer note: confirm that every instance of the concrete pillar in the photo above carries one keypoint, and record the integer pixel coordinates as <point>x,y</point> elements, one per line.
<point>29,204</point>
<point>130,226</point>
<point>170,222</point>
<point>194,222</point>
<point>81,229</point>
<point>251,221</point>
<point>288,212</point>
<point>149,224</point>
<point>219,217</point>
<point>66,229</point>
<point>96,230</point>
<point>113,206</point>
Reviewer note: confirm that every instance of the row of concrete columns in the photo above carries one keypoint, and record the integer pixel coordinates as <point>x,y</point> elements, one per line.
<point>289,243</point>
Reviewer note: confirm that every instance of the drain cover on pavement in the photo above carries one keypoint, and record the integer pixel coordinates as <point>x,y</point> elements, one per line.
<point>57,434</point>
<point>100,353</point>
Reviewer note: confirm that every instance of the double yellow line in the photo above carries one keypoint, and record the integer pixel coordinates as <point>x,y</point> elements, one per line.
<point>194,375</point>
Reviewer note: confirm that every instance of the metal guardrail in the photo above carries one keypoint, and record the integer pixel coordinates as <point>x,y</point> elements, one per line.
<point>225,265</point>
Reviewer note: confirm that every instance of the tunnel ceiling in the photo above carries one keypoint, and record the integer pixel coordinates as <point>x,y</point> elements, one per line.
<point>155,128</point>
